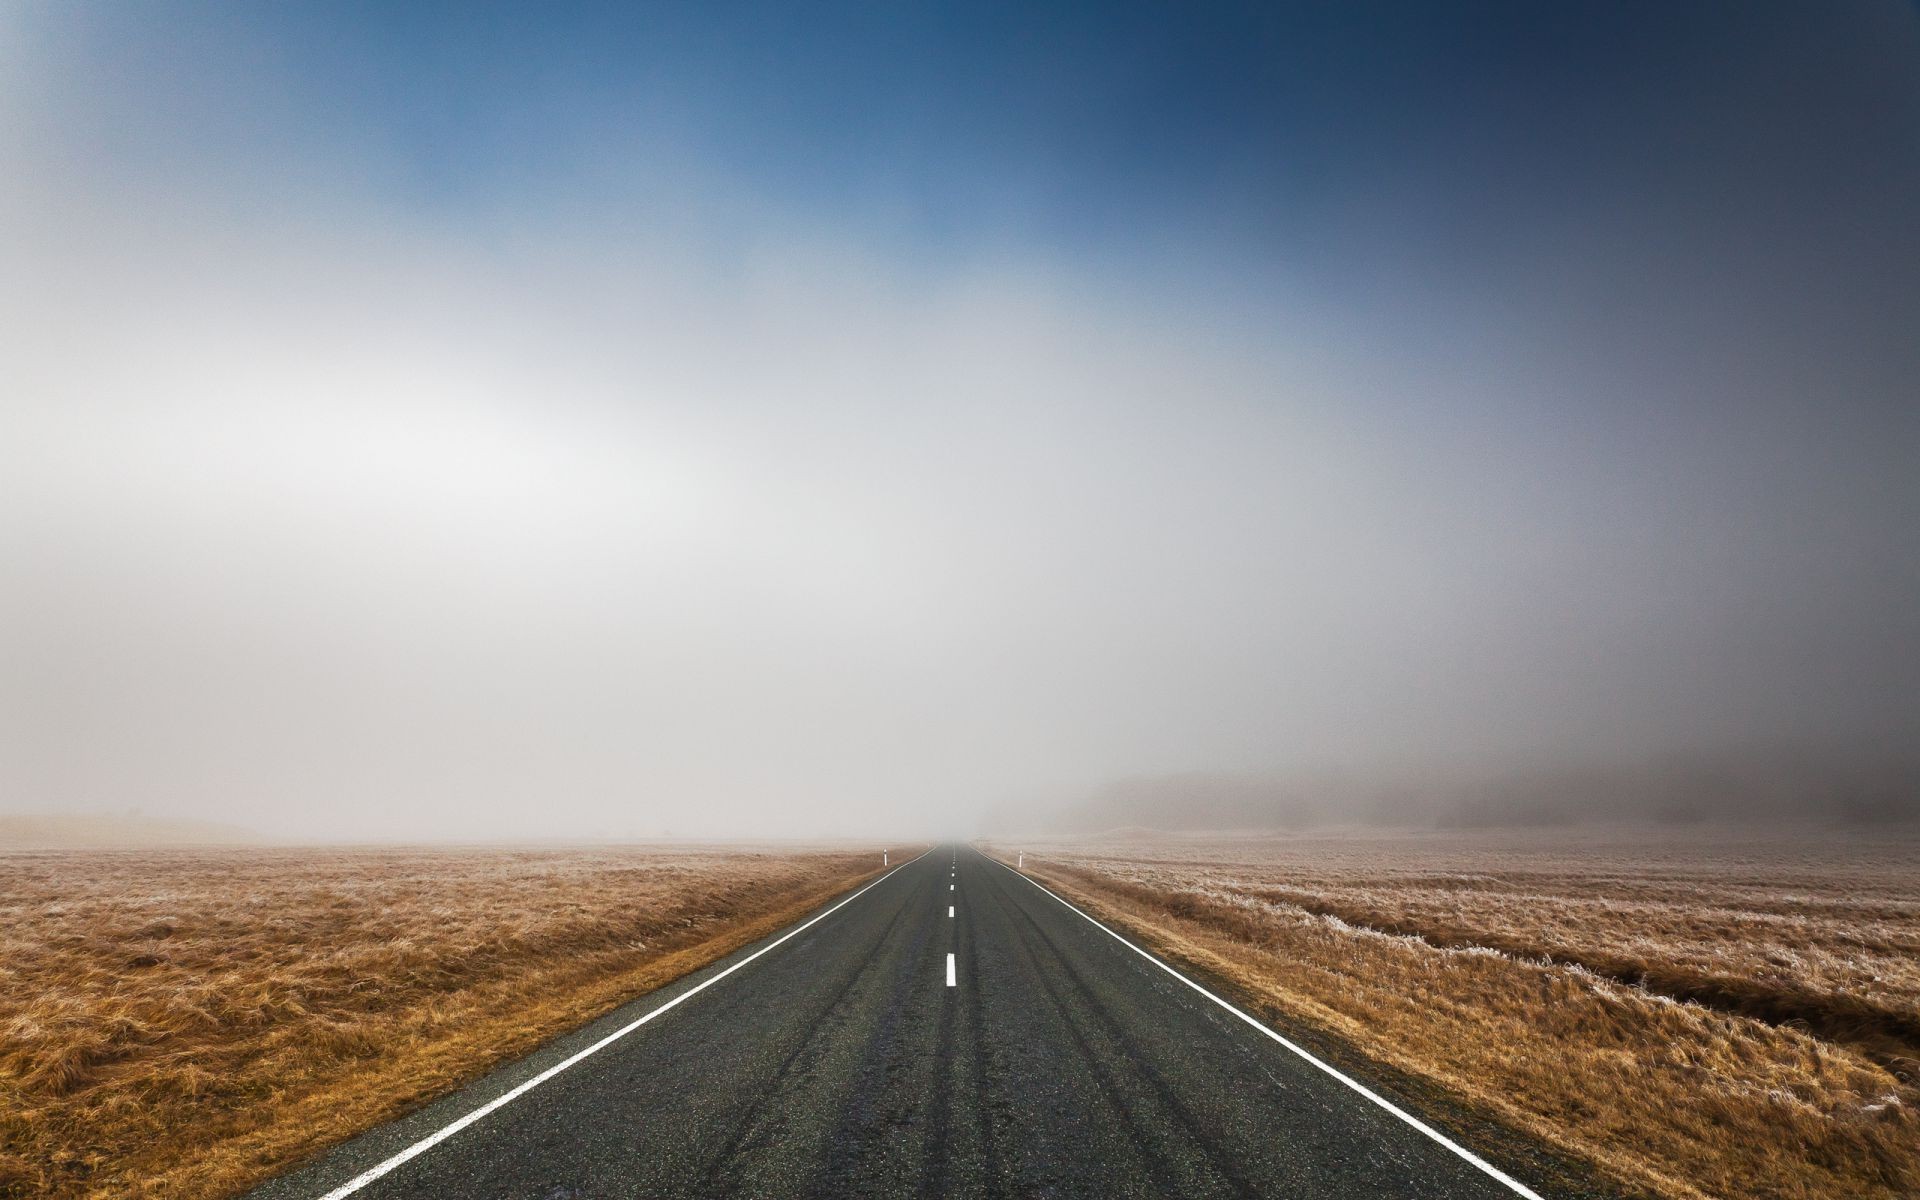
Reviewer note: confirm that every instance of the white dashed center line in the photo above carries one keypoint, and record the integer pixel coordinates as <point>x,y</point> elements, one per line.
<point>949,970</point>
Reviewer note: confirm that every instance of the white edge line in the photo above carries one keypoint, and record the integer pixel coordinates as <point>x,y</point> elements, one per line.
<point>1518,1188</point>
<point>501,1101</point>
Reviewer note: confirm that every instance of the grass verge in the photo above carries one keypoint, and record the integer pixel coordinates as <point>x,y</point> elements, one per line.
<point>1667,1096</point>
<point>189,1023</point>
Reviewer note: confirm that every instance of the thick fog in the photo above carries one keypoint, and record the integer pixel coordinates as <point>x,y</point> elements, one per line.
<point>623,494</point>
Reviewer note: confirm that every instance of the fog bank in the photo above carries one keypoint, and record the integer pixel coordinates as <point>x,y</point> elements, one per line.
<point>415,428</point>
<point>1754,787</point>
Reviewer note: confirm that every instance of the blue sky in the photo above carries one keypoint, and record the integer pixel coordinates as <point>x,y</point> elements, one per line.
<point>959,403</point>
<point>1257,126</point>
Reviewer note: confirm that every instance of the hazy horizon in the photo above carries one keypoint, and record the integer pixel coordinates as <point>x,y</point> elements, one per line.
<point>598,421</point>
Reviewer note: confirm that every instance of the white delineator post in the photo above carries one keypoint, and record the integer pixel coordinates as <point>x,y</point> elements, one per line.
<point>883,859</point>
<point>1023,860</point>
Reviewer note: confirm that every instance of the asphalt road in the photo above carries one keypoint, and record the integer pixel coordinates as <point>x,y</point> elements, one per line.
<point>841,1062</point>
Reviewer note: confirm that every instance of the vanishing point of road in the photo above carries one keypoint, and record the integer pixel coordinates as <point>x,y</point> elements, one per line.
<point>951,1030</point>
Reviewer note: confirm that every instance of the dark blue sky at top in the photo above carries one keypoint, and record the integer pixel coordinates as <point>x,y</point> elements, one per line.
<point>1264,128</point>
<point>1720,197</point>
<point>1677,174</point>
<point>1690,184</point>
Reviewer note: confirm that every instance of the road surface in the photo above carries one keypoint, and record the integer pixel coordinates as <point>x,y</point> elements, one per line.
<point>951,1030</point>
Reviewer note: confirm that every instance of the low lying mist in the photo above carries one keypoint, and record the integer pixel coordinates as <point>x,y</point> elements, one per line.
<point>1745,789</point>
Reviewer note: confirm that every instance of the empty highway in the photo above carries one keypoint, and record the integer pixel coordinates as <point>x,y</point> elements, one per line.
<point>952,1029</point>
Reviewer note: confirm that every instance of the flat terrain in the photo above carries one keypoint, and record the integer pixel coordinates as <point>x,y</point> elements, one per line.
<point>951,1031</point>
<point>186,1022</point>
<point>1696,1015</point>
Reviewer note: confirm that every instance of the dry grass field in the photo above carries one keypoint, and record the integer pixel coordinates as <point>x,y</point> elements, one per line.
<point>1694,1015</point>
<point>182,1023</point>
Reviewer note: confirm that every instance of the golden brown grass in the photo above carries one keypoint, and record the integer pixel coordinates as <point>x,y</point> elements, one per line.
<point>1695,1016</point>
<point>184,1023</point>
